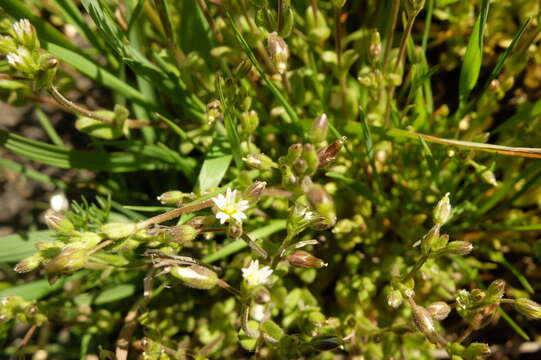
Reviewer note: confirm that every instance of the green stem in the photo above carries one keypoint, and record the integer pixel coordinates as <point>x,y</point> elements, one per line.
<point>416,268</point>
<point>171,214</point>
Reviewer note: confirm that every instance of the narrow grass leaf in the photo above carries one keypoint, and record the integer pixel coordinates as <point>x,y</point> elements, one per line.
<point>16,247</point>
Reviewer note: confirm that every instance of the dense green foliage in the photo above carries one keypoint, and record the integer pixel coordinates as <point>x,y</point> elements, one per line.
<point>355,178</point>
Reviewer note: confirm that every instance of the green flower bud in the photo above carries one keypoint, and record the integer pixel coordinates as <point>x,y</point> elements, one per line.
<point>7,45</point>
<point>311,158</point>
<point>69,260</point>
<point>322,202</point>
<point>259,161</point>
<point>305,260</point>
<point>196,276</point>
<point>87,239</point>
<point>249,121</point>
<point>294,153</point>
<point>28,264</point>
<point>429,240</point>
<point>48,66</point>
<point>395,299</point>
<point>320,128</point>
<point>299,167</point>
<point>234,230</point>
<point>477,351</point>
<point>115,231</point>
<point>529,308</point>
<point>455,248</point>
<point>326,342</point>
<point>443,210</point>
<point>254,191</point>
<point>318,31</point>
<point>214,111</point>
<point>496,289</point>
<point>261,295</point>
<point>173,197</point>
<point>58,223</point>
<point>328,154</point>
<point>439,310</point>
<point>25,34</point>
<point>374,50</point>
<point>23,60</point>
<point>278,51</point>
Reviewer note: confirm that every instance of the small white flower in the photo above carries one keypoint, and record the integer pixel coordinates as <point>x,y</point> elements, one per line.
<point>19,57</point>
<point>228,207</point>
<point>255,276</point>
<point>304,212</point>
<point>257,312</point>
<point>59,202</point>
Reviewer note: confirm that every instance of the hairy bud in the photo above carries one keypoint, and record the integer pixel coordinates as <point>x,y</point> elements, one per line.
<point>439,310</point>
<point>278,51</point>
<point>174,197</point>
<point>196,276</point>
<point>58,223</point>
<point>254,191</point>
<point>320,128</point>
<point>443,210</point>
<point>455,248</point>
<point>322,202</point>
<point>305,260</point>
<point>116,231</point>
<point>25,34</point>
<point>529,308</point>
<point>259,161</point>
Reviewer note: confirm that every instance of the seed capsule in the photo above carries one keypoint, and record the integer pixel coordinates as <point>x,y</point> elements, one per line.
<point>115,231</point>
<point>278,51</point>
<point>320,128</point>
<point>442,211</point>
<point>58,222</point>
<point>529,308</point>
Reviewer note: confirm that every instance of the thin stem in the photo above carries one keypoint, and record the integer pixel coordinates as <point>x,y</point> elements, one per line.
<point>174,49</point>
<point>341,73</point>
<point>224,285</point>
<point>404,40</point>
<point>99,247</point>
<point>171,214</point>
<point>428,21</point>
<point>281,249</point>
<point>72,107</point>
<point>390,33</point>
<point>507,301</point>
<point>416,268</point>
<point>244,322</point>
<point>210,20</point>
<point>466,333</point>
<point>254,246</point>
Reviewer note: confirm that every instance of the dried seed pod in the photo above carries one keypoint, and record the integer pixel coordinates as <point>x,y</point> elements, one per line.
<point>305,260</point>
<point>529,308</point>
<point>327,154</point>
<point>58,222</point>
<point>439,310</point>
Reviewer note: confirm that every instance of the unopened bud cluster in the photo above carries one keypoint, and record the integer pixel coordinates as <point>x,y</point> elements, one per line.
<point>23,53</point>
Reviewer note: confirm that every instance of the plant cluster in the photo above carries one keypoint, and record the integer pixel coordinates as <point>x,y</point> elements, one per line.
<point>304,210</point>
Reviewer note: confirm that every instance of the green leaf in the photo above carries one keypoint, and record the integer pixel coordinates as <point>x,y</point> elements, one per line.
<point>37,289</point>
<point>16,247</point>
<point>215,165</point>
<point>116,293</point>
<point>91,160</point>
<point>471,66</point>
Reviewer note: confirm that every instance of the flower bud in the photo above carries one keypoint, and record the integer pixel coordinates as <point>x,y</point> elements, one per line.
<point>69,260</point>
<point>321,201</point>
<point>25,34</point>
<point>442,211</point>
<point>259,161</point>
<point>455,248</point>
<point>242,69</point>
<point>116,231</point>
<point>496,288</point>
<point>320,128</point>
<point>261,295</point>
<point>374,50</point>
<point>234,230</point>
<point>328,154</point>
<point>254,191</point>
<point>439,310</point>
<point>28,264</point>
<point>278,51</point>
<point>529,308</point>
<point>249,121</point>
<point>429,240</point>
<point>173,197</point>
<point>489,177</point>
<point>58,223</point>
<point>23,61</point>
<point>305,260</point>
<point>423,322</point>
<point>183,233</point>
<point>310,156</point>
<point>316,24</point>
<point>326,342</point>
<point>195,276</point>
<point>395,299</point>
<point>299,167</point>
<point>214,111</point>
<point>7,45</point>
<point>294,153</point>
<point>477,351</point>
